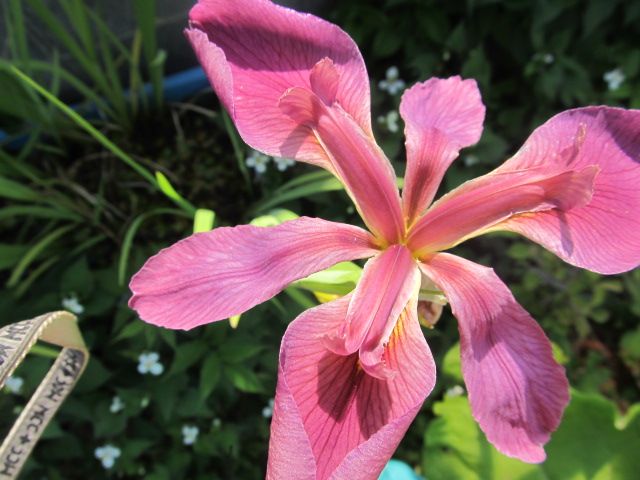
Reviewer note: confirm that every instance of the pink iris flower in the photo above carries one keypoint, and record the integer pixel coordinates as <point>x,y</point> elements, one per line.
<point>353,373</point>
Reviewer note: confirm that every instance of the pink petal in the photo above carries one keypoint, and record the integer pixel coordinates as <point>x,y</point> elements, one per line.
<point>388,281</point>
<point>483,203</point>
<point>331,419</point>
<point>254,50</point>
<point>354,156</point>
<point>441,116</point>
<point>214,275</point>
<point>604,235</point>
<point>516,389</point>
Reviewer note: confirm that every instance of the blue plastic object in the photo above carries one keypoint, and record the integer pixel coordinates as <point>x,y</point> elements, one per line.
<point>176,87</point>
<point>397,470</point>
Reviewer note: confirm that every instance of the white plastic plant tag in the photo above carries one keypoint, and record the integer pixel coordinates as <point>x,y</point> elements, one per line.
<point>58,328</point>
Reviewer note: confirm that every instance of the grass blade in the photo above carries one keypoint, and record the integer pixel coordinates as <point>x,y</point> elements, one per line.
<point>145,14</point>
<point>34,252</point>
<point>127,243</point>
<point>96,134</point>
<point>38,212</point>
<point>237,148</point>
<point>329,184</point>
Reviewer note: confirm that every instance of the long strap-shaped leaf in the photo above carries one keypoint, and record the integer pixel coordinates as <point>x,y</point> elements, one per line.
<point>16,340</point>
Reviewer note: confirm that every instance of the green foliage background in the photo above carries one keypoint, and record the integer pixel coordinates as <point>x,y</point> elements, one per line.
<point>77,220</point>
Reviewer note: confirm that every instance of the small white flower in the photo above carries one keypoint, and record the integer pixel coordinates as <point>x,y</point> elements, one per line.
<point>548,58</point>
<point>14,384</point>
<point>150,363</point>
<point>454,391</point>
<point>614,78</point>
<point>216,423</point>
<point>390,121</point>
<point>107,454</point>
<point>393,84</point>
<point>267,411</point>
<point>116,405</point>
<point>283,163</point>
<point>72,304</point>
<point>189,434</point>
<point>258,161</point>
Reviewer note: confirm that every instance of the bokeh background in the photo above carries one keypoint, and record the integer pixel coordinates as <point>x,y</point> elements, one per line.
<point>79,213</point>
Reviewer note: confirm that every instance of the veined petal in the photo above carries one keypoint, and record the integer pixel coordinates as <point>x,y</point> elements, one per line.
<point>354,157</point>
<point>331,419</point>
<point>516,389</point>
<point>214,275</point>
<point>603,235</point>
<point>253,51</point>
<point>388,281</point>
<point>483,203</point>
<point>441,116</point>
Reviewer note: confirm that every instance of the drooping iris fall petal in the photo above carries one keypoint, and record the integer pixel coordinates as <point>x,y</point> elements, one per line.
<point>269,65</point>
<point>483,203</point>
<point>604,234</point>
<point>333,420</point>
<point>213,275</point>
<point>253,51</point>
<point>516,389</point>
<point>441,116</point>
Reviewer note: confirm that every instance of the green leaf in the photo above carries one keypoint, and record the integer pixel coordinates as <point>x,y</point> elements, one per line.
<point>127,243</point>
<point>130,329</point>
<point>451,363</point>
<point>10,254</point>
<point>94,377</point>
<point>588,445</point>
<point>166,187</point>
<point>38,212</point>
<point>17,191</point>
<point>210,374</point>
<point>328,184</point>
<point>244,379</point>
<point>77,278</point>
<point>203,220</point>
<point>238,349</point>
<point>558,354</point>
<point>339,279</point>
<point>34,252</point>
<point>454,447</point>
<point>187,354</point>
<point>273,218</point>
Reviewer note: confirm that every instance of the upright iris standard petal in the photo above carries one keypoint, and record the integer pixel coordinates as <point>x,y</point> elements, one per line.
<point>214,275</point>
<point>388,281</point>
<point>333,420</point>
<point>485,202</point>
<point>354,156</point>
<point>441,117</point>
<point>254,50</point>
<point>604,234</point>
<point>516,389</point>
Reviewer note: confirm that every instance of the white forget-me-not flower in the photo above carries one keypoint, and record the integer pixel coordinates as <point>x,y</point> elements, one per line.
<point>107,454</point>
<point>150,363</point>
<point>190,434</point>
<point>392,84</point>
